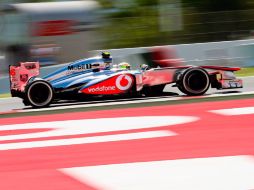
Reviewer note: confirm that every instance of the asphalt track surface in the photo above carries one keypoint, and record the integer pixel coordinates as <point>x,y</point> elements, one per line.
<point>203,145</point>
<point>9,104</point>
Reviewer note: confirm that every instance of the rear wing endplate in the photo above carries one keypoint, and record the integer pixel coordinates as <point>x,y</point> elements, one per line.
<point>20,75</point>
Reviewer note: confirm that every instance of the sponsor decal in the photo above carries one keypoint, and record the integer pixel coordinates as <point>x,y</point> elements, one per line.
<point>14,80</point>
<point>102,89</point>
<point>115,85</point>
<point>12,72</point>
<point>79,67</point>
<point>124,82</point>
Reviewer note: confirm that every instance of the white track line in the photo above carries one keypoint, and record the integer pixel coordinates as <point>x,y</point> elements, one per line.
<point>62,130</point>
<point>90,126</point>
<point>86,140</point>
<point>101,104</point>
<point>234,111</point>
<point>214,173</point>
<point>108,101</point>
<point>230,94</point>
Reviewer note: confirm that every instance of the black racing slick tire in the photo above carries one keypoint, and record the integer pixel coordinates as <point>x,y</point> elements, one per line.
<point>39,94</point>
<point>194,81</point>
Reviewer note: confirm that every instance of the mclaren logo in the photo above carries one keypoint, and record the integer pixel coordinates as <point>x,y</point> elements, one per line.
<point>124,82</point>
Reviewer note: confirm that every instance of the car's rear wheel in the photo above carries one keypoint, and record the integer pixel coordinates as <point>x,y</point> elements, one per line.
<point>194,81</point>
<point>39,94</point>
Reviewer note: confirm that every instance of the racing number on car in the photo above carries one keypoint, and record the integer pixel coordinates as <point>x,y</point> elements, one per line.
<point>61,130</point>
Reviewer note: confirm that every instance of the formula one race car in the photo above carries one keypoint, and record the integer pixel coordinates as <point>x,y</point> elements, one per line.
<point>97,77</point>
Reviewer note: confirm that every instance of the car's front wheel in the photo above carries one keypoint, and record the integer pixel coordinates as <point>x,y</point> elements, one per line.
<point>194,81</point>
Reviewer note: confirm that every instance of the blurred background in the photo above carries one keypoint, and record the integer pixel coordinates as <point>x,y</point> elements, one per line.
<point>56,32</point>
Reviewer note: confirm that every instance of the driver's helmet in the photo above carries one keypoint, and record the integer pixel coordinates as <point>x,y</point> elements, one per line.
<point>124,65</point>
<point>107,59</point>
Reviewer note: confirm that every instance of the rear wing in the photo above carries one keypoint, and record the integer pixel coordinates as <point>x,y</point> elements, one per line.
<point>20,75</point>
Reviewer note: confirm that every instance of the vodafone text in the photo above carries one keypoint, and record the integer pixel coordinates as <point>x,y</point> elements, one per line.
<point>102,89</point>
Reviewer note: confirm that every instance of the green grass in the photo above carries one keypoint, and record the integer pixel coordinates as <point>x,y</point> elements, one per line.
<point>245,72</point>
<point>5,95</point>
